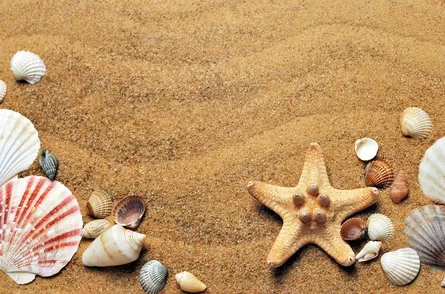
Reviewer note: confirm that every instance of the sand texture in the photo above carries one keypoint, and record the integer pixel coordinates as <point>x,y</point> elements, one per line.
<point>183,102</point>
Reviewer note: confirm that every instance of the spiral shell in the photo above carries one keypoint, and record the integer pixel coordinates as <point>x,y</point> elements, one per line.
<point>366,148</point>
<point>379,173</point>
<point>353,229</point>
<point>153,277</point>
<point>189,283</point>
<point>416,123</point>
<point>27,66</point>
<point>3,89</point>
<point>380,227</point>
<point>128,211</point>
<point>370,251</point>
<point>49,163</point>
<point>401,266</point>
<point>399,188</point>
<point>432,172</point>
<point>94,228</point>
<point>100,204</point>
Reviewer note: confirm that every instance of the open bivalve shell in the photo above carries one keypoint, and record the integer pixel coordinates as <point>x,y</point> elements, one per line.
<point>189,283</point>
<point>128,211</point>
<point>416,123</point>
<point>95,228</point>
<point>432,172</point>
<point>353,229</point>
<point>3,89</point>
<point>100,204</point>
<point>370,251</point>
<point>366,149</point>
<point>40,225</point>
<point>27,66</point>
<point>401,266</point>
<point>379,173</point>
<point>153,277</point>
<point>380,227</point>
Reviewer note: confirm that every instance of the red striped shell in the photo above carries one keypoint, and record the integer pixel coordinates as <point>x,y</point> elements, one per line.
<point>40,224</point>
<point>128,211</point>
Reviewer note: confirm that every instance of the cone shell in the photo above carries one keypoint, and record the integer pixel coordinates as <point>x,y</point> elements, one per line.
<point>432,172</point>
<point>416,123</point>
<point>401,266</point>
<point>100,204</point>
<point>116,246</point>
<point>370,251</point>
<point>380,227</point>
<point>189,283</point>
<point>366,149</point>
<point>379,173</point>
<point>399,188</point>
<point>94,228</point>
<point>27,66</point>
<point>153,277</point>
<point>3,89</point>
<point>49,163</point>
<point>128,211</point>
<point>353,229</point>
<point>40,223</point>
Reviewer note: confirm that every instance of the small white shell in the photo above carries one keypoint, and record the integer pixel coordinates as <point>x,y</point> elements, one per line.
<point>189,283</point>
<point>401,266</point>
<point>432,172</point>
<point>443,283</point>
<point>3,88</point>
<point>370,251</point>
<point>27,66</point>
<point>93,229</point>
<point>153,277</point>
<point>380,227</point>
<point>416,123</point>
<point>366,149</point>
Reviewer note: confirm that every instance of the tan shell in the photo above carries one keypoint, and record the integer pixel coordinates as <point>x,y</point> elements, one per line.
<point>353,229</point>
<point>399,188</point>
<point>189,283</point>
<point>416,123</point>
<point>94,228</point>
<point>100,204</point>
<point>379,173</point>
<point>128,211</point>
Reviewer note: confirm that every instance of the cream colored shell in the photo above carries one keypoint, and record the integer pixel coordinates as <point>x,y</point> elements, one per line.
<point>401,266</point>
<point>27,66</point>
<point>432,172</point>
<point>189,283</point>
<point>94,228</point>
<point>380,227</point>
<point>3,89</point>
<point>366,148</point>
<point>100,204</point>
<point>416,123</point>
<point>370,251</point>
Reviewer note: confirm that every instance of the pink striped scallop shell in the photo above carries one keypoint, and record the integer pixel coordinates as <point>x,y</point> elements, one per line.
<point>128,211</point>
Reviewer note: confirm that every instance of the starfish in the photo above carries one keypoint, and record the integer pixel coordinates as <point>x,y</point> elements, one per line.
<point>312,212</point>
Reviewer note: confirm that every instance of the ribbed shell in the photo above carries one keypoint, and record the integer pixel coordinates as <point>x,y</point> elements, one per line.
<point>3,89</point>
<point>416,123</point>
<point>153,277</point>
<point>370,251</point>
<point>400,188</point>
<point>94,228</point>
<point>27,66</point>
<point>128,211</point>
<point>380,227</point>
<point>366,148</point>
<point>19,144</point>
<point>379,173</point>
<point>401,266</point>
<point>49,163</point>
<point>432,172</point>
<point>353,229</point>
<point>40,225</point>
<point>100,204</point>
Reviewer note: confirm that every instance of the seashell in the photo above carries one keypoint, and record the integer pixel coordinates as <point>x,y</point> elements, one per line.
<point>128,211</point>
<point>49,163</point>
<point>370,251</point>
<point>189,283</point>
<point>116,246</point>
<point>353,229</point>
<point>380,227</point>
<point>153,277</point>
<point>379,173</point>
<point>100,204</point>
<point>366,149</point>
<point>27,66</point>
<point>432,172</point>
<point>401,266</point>
<point>3,89</point>
<point>416,123</point>
<point>399,188</point>
<point>443,283</point>
<point>94,228</point>
<point>19,144</point>
<point>40,225</point>
<point>425,229</point>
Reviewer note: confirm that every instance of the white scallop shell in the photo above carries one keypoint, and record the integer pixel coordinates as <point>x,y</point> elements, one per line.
<point>416,123</point>
<point>401,266</point>
<point>380,227</point>
<point>153,277</point>
<point>40,223</point>
<point>432,172</point>
<point>3,89</point>
<point>366,149</point>
<point>189,283</point>
<point>19,144</point>
<point>370,251</point>
<point>27,66</point>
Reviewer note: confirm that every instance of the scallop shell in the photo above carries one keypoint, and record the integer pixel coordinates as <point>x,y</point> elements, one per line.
<point>3,89</point>
<point>353,229</point>
<point>40,223</point>
<point>94,228</point>
<point>432,172</point>
<point>380,227</point>
<point>366,149</point>
<point>379,173</point>
<point>401,266</point>
<point>100,204</point>
<point>128,211</point>
<point>189,283</point>
<point>19,144</point>
<point>370,251</point>
<point>425,229</point>
<point>400,188</point>
<point>153,277</point>
<point>27,66</point>
<point>49,163</point>
<point>416,123</point>
<point>116,246</point>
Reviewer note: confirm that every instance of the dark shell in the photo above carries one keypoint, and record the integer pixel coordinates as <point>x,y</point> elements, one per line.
<point>49,163</point>
<point>128,211</point>
<point>353,229</point>
<point>379,173</point>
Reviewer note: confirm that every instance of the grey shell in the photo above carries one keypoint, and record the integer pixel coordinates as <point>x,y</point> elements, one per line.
<point>49,163</point>
<point>153,277</point>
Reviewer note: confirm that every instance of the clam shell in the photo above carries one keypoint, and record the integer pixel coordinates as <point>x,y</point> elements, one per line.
<point>40,223</point>
<point>19,144</point>
<point>432,172</point>
<point>353,229</point>
<point>401,266</point>
<point>366,149</point>
<point>416,123</point>
<point>189,283</point>
<point>100,204</point>
<point>49,163</point>
<point>95,228</point>
<point>116,246</point>
<point>379,173</point>
<point>380,227</point>
<point>3,89</point>
<point>370,251</point>
<point>27,66</point>
<point>400,188</point>
<point>128,211</point>
<point>153,277</point>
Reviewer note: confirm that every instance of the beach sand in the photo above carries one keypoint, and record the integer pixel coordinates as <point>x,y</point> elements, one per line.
<point>183,102</point>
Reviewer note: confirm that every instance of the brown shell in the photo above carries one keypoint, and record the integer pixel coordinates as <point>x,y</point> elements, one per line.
<point>399,188</point>
<point>353,229</point>
<point>379,173</point>
<point>100,204</point>
<point>128,211</point>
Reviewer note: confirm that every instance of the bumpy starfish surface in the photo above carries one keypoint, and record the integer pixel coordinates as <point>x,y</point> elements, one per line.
<point>312,212</point>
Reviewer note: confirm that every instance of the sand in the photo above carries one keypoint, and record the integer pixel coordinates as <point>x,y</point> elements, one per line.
<point>185,101</point>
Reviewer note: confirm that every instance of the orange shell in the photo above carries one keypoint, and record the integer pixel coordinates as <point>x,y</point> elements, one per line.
<point>379,173</point>
<point>399,188</point>
<point>353,229</point>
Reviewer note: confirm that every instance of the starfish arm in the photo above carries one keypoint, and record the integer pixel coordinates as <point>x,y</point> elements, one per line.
<point>278,199</point>
<point>332,243</point>
<point>314,168</point>
<point>348,202</point>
